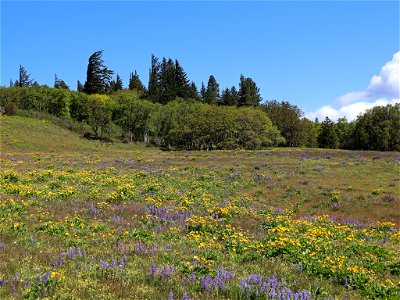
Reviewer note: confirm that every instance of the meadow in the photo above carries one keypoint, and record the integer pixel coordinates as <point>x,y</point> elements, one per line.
<point>81,219</point>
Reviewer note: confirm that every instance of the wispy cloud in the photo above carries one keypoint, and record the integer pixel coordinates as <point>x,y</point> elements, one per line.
<point>383,89</point>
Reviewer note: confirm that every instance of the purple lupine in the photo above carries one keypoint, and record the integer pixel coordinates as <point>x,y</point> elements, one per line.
<point>122,263</point>
<point>185,297</point>
<point>80,255</point>
<point>103,264</point>
<point>192,278</point>
<point>256,285</point>
<point>71,253</point>
<point>1,245</point>
<point>171,295</point>
<point>112,264</point>
<point>153,269</point>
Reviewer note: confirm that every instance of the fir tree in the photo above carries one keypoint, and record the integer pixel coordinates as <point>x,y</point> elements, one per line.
<point>59,83</point>
<point>98,75</point>
<point>168,81</point>
<point>135,83</point>
<point>24,78</point>
<point>154,79</point>
<point>193,92</point>
<point>203,92</point>
<point>212,94</point>
<point>116,85</point>
<point>230,97</point>
<point>249,93</point>
<point>79,87</point>
<point>182,83</point>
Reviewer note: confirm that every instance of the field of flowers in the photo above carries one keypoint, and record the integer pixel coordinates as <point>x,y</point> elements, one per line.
<point>123,221</point>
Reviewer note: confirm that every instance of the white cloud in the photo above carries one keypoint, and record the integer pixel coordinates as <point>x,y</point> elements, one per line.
<point>383,89</point>
<point>386,84</point>
<point>350,111</point>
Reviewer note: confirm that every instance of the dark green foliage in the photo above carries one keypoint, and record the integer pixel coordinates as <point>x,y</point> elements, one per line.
<point>378,129</point>
<point>116,85</point>
<point>344,133</point>
<point>230,97</point>
<point>168,83</point>
<point>327,136</point>
<point>193,92</point>
<point>60,84</point>
<point>183,87</point>
<point>249,93</point>
<point>24,78</point>
<point>154,80</point>
<point>288,118</point>
<point>79,87</point>
<point>98,75</point>
<point>203,92</point>
<point>135,84</point>
<point>168,80</point>
<point>212,95</point>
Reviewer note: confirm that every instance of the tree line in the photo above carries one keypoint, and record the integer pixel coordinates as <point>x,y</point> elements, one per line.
<point>171,112</point>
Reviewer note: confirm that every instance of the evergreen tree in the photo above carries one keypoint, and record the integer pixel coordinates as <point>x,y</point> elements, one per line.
<point>79,87</point>
<point>249,93</point>
<point>182,82</point>
<point>193,92</point>
<point>168,81</point>
<point>116,85</point>
<point>98,75</point>
<point>59,83</point>
<point>203,92</point>
<point>230,97</point>
<point>327,136</point>
<point>24,78</point>
<point>154,79</point>
<point>135,83</point>
<point>212,94</point>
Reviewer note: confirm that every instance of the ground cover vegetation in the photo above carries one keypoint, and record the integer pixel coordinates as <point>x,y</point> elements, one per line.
<point>172,113</point>
<point>84,219</point>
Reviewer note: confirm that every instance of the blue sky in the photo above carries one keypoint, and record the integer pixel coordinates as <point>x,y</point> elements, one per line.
<point>312,54</point>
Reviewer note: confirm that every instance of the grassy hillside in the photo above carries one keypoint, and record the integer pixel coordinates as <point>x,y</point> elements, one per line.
<point>87,220</point>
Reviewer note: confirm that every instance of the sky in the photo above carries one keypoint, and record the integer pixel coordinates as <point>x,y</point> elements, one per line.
<point>330,58</point>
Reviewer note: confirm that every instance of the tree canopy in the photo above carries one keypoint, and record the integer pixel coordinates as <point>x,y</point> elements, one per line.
<point>98,76</point>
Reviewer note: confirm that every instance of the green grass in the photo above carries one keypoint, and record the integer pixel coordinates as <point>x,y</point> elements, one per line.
<point>71,206</point>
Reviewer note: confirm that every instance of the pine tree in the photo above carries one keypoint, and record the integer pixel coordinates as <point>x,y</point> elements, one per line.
<point>154,79</point>
<point>182,83</point>
<point>116,85</point>
<point>59,83</point>
<point>79,87</point>
<point>203,92</point>
<point>135,83</point>
<point>24,78</point>
<point>168,81</point>
<point>193,92</point>
<point>212,94</point>
<point>230,97</point>
<point>249,93</point>
<point>98,75</point>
